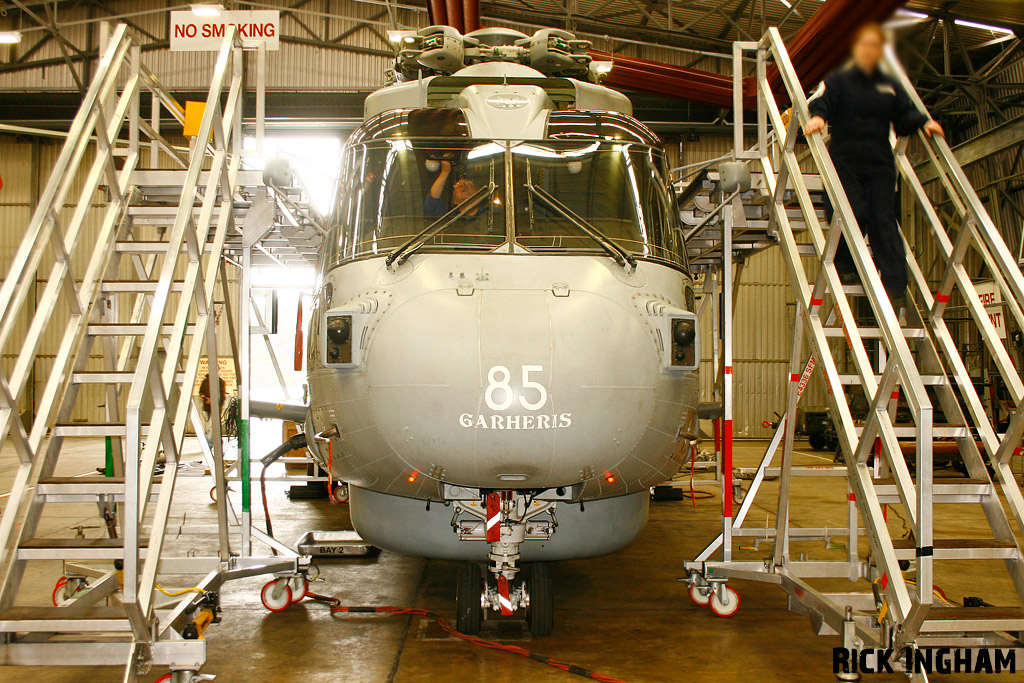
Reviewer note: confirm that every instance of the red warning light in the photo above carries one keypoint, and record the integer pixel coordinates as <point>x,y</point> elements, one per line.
<point>412,477</point>
<point>609,477</point>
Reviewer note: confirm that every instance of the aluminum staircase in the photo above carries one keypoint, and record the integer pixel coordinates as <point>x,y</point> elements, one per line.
<point>128,290</point>
<point>906,366</point>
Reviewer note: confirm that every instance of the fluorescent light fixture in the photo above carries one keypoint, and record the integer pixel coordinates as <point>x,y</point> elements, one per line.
<point>787,3</point>
<point>10,37</point>
<point>910,14</point>
<point>983,27</point>
<point>602,67</point>
<point>207,10</point>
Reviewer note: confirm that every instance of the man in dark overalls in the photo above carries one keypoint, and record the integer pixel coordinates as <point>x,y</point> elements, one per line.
<point>860,104</point>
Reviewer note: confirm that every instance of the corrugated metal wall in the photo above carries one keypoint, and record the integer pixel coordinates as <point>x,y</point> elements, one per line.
<point>25,166</point>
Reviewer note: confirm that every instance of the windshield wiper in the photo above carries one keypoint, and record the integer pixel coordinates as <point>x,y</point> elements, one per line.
<point>621,256</point>
<point>418,240</point>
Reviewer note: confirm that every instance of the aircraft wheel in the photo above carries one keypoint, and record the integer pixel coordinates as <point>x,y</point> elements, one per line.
<point>699,596</point>
<point>276,595</point>
<point>540,615</point>
<point>468,591</point>
<point>727,607</point>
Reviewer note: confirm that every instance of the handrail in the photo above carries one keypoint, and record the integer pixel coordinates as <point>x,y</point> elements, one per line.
<point>44,233</point>
<point>218,126</point>
<point>978,230</point>
<point>901,364</point>
<point>105,112</point>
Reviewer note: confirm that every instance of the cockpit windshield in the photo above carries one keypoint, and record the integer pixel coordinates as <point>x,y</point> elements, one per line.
<point>618,189</point>
<point>562,193</point>
<point>391,190</point>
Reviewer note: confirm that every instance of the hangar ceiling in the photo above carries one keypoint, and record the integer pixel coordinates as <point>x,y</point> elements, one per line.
<point>966,55</point>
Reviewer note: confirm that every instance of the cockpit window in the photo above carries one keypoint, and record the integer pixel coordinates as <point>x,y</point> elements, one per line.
<point>619,189</point>
<point>394,189</point>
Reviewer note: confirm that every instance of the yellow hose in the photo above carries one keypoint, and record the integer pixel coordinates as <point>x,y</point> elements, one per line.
<point>179,593</point>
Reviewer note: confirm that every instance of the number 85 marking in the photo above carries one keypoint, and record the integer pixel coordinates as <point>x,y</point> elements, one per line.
<point>500,395</point>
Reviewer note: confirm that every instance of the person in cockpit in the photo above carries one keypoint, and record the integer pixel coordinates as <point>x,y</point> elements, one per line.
<point>462,190</point>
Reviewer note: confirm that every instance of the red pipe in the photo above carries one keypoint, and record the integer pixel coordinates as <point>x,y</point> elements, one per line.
<point>437,13</point>
<point>471,15</point>
<point>817,48</point>
<point>454,8</point>
<point>665,79</point>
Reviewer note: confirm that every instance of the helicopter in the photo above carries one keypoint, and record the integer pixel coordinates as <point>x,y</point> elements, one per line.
<point>503,350</point>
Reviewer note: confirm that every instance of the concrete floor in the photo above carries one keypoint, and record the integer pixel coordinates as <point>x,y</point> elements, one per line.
<point>624,615</point>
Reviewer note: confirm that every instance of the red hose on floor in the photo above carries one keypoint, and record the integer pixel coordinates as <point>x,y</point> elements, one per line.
<point>337,608</point>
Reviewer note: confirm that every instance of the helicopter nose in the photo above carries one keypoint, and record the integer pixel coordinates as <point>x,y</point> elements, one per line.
<point>512,388</point>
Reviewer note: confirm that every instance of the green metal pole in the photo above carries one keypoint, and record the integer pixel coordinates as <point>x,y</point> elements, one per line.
<point>108,462</point>
<point>243,455</point>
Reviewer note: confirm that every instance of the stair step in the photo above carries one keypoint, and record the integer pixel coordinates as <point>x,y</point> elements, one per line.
<point>130,329</point>
<point>873,332</point>
<point>91,429</point>
<point>91,484</point>
<point>85,489</point>
<point>137,286</point>
<point>929,380</point>
<point>960,549</point>
<point>43,619</point>
<point>973,619</point>
<point>147,247</point>
<point>941,431</point>
<point>74,549</point>
<point>110,377</point>
<point>944,490</point>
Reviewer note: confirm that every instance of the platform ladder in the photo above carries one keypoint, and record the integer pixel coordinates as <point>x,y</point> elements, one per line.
<point>141,293</point>
<point>916,357</point>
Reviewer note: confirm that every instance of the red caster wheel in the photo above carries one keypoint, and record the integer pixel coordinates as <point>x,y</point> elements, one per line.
<point>166,678</point>
<point>699,595</point>
<point>276,595</point>
<point>61,583</point>
<point>299,587</point>
<point>725,607</point>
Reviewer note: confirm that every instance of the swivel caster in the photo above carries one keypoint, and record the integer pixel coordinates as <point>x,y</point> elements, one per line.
<point>213,493</point>
<point>725,601</point>
<point>700,595</point>
<point>299,586</point>
<point>700,591</point>
<point>738,493</point>
<point>67,588</point>
<point>277,595</point>
<point>61,583</point>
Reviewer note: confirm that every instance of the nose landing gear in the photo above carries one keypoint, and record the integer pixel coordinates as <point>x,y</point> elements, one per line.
<point>512,588</point>
<point>531,592</point>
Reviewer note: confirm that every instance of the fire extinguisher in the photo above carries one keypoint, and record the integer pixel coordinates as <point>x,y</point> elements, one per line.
<point>298,337</point>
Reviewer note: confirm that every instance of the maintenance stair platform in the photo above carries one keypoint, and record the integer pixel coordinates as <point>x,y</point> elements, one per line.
<point>127,287</point>
<point>900,394</point>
